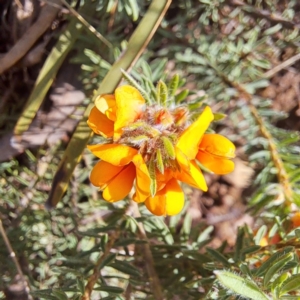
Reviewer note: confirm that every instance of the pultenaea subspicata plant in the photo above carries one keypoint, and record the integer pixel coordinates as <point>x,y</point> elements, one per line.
<point>152,145</point>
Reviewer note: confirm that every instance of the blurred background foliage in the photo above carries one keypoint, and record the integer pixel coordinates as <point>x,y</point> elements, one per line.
<point>239,240</point>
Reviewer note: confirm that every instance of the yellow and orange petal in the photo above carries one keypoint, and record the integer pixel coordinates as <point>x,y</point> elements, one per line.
<point>168,201</point>
<point>115,154</point>
<point>120,186</point>
<point>142,179</point>
<point>100,124</point>
<point>103,172</point>
<point>296,220</point>
<point>130,104</point>
<point>215,153</point>
<point>189,140</point>
<point>189,172</point>
<point>115,181</point>
<point>106,104</point>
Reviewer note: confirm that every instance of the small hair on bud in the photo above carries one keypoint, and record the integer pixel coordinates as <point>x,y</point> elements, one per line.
<point>159,162</point>
<point>169,147</point>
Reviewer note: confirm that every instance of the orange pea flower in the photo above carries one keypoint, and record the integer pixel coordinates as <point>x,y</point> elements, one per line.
<point>296,220</point>
<point>151,148</point>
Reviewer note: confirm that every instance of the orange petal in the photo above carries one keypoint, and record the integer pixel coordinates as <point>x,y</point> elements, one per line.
<point>163,178</point>
<point>142,179</point>
<point>115,154</point>
<point>215,151</point>
<point>168,201</point>
<point>218,145</point>
<point>120,186</point>
<point>107,105</point>
<point>189,172</point>
<point>100,124</point>
<point>103,172</point>
<point>216,164</point>
<point>130,104</point>
<point>190,139</point>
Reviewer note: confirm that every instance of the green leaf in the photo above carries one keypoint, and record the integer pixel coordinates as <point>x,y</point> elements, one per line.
<point>277,266</point>
<point>181,96</point>
<point>43,294</point>
<point>219,116</point>
<point>61,295</point>
<point>173,85</point>
<point>268,263</point>
<point>107,260</point>
<point>80,285</point>
<point>218,256</point>
<point>277,283</point>
<point>187,225</point>
<point>152,174</point>
<point>239,244</point>
<point>125,267</point>
<point>129,241</point>
<point>250,249</point>
<point>110,289</point>
<point>246,270</point>
<point>273,29</point>
<point>169,147</point>
<point>162,93</point>
<point>291,284</point>
<point>164,230</point>
<point>241,286</point>
<point>159,162</point>
<point>205,234</point>
<point>134,9</point>
<point>103,242</point>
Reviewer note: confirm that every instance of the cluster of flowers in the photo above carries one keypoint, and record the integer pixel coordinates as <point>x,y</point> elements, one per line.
<point>152,147</point>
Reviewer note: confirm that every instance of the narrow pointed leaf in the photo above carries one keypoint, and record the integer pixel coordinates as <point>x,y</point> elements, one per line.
<point>277,266</point>
<point>218,256</point>
<point>125,267</point>
<point>268,263</point>
<point>239,244</point>
<point>169,147</point>
<point>173,85</point>
<point>153,182</point>
<point>61,295</point>
<point>291,284</point>
<point>159,162</point>
<point>107,260</point>
<point>162,92</point>
<point>181,96</point>
<point>110,289</point>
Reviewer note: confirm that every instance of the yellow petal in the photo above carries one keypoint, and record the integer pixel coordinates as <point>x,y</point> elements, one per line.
<point>218,145</point>
<point>103,173</point>
<point>190,139</point>
<point>142,179</point>
<point>100,124</point>
<point>168,201</point>
<point>130,104</point>
<point>107,105</point>
<point>189,172</point>
<point>120,186</point>
<point>216,164</point>
<point>114,154</point>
